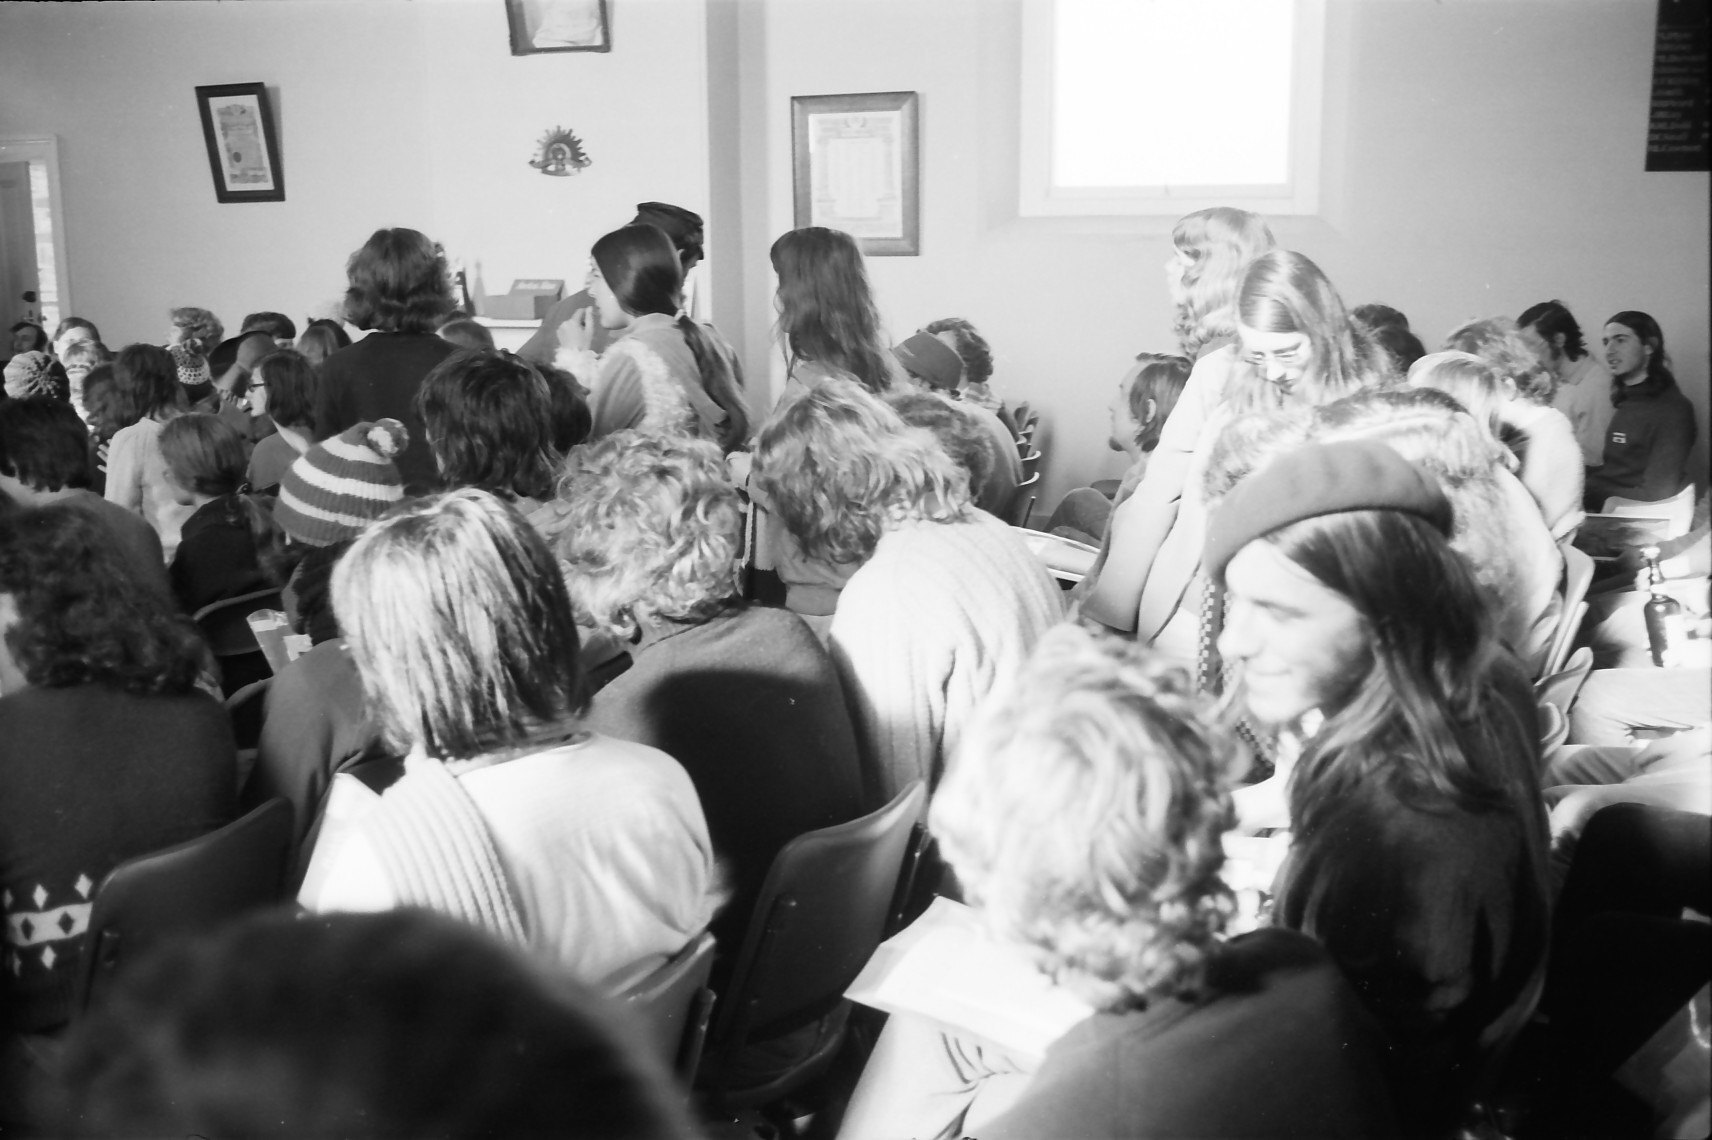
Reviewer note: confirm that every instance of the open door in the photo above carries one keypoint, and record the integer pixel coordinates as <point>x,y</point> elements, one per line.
<point>33,285</point>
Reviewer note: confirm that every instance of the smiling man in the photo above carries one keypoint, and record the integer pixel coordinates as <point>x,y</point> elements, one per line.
<point>1418,833</point>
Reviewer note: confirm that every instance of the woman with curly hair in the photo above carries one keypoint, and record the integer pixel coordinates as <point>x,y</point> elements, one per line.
<point>1541,436</point>
<point>746,698</point>
<point>107,750</point>
<point>145,394</point>
<point>828,324</point>
<point>1084,815</point>
<point>941,599</point>
<point>664,370</point>
<point>194,335</point>
<point>1296,346</point>
<point>401,289</point>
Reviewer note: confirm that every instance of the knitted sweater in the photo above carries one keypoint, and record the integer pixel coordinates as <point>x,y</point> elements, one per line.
<point>648,379</point>
<point>89,777</point>
<point>923,631</point>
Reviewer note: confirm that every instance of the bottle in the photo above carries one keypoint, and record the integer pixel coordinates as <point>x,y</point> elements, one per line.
<point>1665,629</point>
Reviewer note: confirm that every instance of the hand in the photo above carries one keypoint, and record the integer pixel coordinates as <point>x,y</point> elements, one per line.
<point>577,333</point>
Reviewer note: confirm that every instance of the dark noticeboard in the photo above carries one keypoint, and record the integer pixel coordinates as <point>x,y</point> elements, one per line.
<point>1676,130</point>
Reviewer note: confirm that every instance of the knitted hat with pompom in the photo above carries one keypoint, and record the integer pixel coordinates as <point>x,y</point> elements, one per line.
<point>342,484</point>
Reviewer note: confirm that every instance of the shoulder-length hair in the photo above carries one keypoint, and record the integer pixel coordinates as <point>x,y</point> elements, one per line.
<point>1496,341</point>
<point>206,455</point>
<point>643,270</point>
<point>838,467</point>
<point>293,386</point>
<point>489,422</point>
<point>1161,379</point>
<point>459,625</point>
<point>826,307</point>
<point>145,385</point>
<point>1285,292</point>
<point>1084,815</point>
<point>1659,374</point>
<point>43,444</point>
<point>1471,382</point>
<point>321,339</point>
<point>83,618</point>
<point>1219,243</point>
<point>399,283</point>
<point>650,530</point>
<point>1443,711</point>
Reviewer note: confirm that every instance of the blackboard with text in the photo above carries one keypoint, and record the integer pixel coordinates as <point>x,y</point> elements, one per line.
<point>1677,126</point>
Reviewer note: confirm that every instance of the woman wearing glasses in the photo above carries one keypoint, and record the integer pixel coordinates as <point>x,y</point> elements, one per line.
<point>1295,346</point>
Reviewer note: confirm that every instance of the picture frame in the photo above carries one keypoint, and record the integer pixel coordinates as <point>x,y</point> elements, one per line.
<point>539,26</point>
<point>243,148</point>
<point>856,166</point>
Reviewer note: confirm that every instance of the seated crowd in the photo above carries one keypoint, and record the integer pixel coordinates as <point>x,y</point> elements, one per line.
<point>581,640</point>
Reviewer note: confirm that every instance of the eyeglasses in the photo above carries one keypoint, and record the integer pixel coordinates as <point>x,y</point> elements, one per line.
<point>1289,358</point>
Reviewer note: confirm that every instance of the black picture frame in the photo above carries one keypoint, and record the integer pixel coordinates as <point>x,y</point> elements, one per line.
<point>883,236</point>
<point>243,146</point>
<point>524,18</point>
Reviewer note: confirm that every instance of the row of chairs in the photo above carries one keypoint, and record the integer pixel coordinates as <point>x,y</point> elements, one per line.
<point>1027,421</point>
<point>829,899</point>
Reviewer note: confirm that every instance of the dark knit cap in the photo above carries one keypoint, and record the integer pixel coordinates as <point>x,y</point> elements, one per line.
<point>1320,479</point>
<point>930,360</point>
<point>682,226</point>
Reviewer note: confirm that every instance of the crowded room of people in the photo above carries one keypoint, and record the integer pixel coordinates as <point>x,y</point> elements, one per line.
<point>855,569</point>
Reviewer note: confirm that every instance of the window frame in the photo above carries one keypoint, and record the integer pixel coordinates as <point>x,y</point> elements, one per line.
<point>1039,197</point>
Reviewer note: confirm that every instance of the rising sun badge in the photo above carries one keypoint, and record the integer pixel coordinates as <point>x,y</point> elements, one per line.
<point>560,154</point>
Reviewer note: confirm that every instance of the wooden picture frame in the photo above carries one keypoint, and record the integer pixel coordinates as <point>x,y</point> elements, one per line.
<point>856,166</point>
<point>539,26</point>
<point>243,147</point>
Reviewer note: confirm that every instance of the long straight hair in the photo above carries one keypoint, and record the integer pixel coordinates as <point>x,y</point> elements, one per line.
<point>826,307</point>
<point>642,269</point>
<point>1659,374</point>
<point>1285,292</point>
<point>1440,711</point>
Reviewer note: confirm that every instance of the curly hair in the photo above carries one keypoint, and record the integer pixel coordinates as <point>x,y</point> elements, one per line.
<point>1218,243</point>
<point>201,331</point>
<point>399,283</point>
<point>963,439</point>
<point>1471,382</point>
<point>1551,318</point>
<point>1084,815</point>
<point>839,467</point>
<point>826,307</point>
<point>456,616</point>
<point>971,346</point>
<point>650,530</point>
<point>1496,341</point>
<point>489,421</point>
<point>83,618</point>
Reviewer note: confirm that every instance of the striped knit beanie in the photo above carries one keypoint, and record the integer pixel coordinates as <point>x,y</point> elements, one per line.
<point>340,485</point>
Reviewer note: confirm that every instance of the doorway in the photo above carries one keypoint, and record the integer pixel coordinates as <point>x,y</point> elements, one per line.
<point>33,284</point>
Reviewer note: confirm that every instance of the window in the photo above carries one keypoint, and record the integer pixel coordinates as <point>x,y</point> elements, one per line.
<point>1168,106</point>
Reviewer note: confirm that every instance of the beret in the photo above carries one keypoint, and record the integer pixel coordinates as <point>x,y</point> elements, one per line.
<point>1320,479</point>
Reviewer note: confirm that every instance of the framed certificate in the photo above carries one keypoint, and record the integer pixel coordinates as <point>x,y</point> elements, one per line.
<point>243,150</point>
<point>856,166</point>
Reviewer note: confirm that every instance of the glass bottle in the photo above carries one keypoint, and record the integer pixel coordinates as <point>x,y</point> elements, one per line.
<point>1666,630</point>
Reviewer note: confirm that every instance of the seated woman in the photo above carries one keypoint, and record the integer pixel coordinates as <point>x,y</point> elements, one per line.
<point>107,750</point>
<point>284,387</point>
<point>230,545</point>
<point>1083,816</point>
<point>745,698</point>
<point>1146,396</point>
<point>490,420</point>
<point>1652,431</point>
<point>943,600</point>
<point>511,815</point>
<point>1542,437</point>
<point>666,371</point>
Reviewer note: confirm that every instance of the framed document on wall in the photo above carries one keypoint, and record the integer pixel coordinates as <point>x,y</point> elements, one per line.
<point>243,150</point>
<point>856,166</point>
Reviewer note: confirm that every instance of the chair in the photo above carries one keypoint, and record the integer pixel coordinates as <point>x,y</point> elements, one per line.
<point>1023,502</point>
<point>823,908</point>
<point>1678,510</point>
<point>674,1004</point>
<point>1559,690</point>
<point>225,627</point>
<point>185,889</point>
<point>247,707</point>
<point>1577,577</point>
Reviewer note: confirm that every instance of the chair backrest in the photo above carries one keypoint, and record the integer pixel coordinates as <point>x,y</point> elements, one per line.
<point>1024,501</point>
<point>1678,509</point>
<point>225,624</point>
<point>245,707</point>
<point>822,910</point>
<point>673,1004</point>
<point>1559,690</point>
<point>1577,577</point>
<point>185,889</point>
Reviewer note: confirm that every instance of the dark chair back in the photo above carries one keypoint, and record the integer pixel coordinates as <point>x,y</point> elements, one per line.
<point>225,627</point>
<point>674,1005</point>
<point>186,889</point>
<point>822,910</point>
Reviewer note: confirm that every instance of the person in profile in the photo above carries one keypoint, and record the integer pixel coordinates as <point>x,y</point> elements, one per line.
<point>396,1024</point>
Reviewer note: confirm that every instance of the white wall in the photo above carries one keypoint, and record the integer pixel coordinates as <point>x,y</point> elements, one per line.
<point>390,112</point>
<point>1480,155</point>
